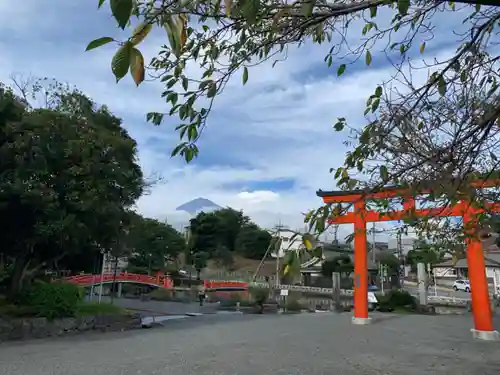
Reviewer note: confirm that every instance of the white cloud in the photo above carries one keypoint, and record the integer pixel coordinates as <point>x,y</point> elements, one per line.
<point>288,109</point>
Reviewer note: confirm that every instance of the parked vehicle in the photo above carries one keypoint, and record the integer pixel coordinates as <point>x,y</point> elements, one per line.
<point>372,301</point>
<point>373,288</point>
<point>462,285</point>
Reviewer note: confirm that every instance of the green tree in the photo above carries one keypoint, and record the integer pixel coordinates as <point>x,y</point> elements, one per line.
<point>230,223</point>
<point>204,230</point>
<point>223,257</point>
<point>68,175</point>
<point>342,264</point>
<point>391,262</point>
<point>252,242</point>
<point>152,244</point>
<point>200,261</point>
<point>439,130</point>
<point>217,230</point>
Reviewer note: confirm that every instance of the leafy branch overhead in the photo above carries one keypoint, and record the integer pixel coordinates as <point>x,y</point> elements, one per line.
<point>412,129</point>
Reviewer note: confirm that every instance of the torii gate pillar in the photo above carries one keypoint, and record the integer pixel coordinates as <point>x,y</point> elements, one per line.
<point>360,266</point>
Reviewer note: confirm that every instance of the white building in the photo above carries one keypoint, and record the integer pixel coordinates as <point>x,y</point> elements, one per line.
<point>407,244</point>
<point>290,240</point>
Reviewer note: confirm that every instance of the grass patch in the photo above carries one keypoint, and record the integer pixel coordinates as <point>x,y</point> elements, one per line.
<point>94,308</point>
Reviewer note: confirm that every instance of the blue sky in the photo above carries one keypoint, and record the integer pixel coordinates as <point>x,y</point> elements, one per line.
<point>268,146</point>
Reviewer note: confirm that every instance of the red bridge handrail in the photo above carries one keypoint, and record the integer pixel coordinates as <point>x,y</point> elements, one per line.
<point>159,280</point>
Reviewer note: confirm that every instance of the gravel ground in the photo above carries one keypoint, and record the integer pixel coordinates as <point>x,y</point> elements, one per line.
<point>311,344</point>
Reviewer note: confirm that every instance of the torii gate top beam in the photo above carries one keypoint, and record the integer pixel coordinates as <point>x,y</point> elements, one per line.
<point>408,196</point>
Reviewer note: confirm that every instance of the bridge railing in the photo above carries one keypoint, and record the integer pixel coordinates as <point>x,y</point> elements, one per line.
<point>108,277</point>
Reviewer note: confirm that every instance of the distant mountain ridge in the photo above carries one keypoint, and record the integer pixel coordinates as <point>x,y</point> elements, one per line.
<point>197,205</point>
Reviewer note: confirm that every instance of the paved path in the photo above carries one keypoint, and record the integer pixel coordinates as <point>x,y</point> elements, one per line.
<point>165,308</point>
<point>440,292</point>
<point>312,344</point>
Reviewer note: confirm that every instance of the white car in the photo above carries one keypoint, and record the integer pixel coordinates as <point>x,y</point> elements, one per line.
<point>372,301</point>
<point>462,285</point>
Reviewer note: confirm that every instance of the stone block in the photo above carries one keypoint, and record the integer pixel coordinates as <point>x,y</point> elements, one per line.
<point>85,323</point>
<point>40,327</point>
<point>21,328</point>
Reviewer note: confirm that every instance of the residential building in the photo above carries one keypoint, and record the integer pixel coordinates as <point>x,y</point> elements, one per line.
<point>407,244</point>
<point>290,240</point>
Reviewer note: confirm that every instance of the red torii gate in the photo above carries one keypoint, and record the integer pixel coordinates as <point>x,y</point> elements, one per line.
<point>481,308</point>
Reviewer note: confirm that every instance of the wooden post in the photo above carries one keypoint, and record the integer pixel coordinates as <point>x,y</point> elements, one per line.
<point>481,307</point>
<point>337,306</point>
<point>360,266</point>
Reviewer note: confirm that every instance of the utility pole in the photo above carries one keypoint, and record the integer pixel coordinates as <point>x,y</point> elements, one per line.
<point>374,258</point>
<point>278,229</point>
<point>336,234</point>
<point>401,260</point>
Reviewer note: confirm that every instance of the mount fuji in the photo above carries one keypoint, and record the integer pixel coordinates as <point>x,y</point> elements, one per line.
<point>197,205</point>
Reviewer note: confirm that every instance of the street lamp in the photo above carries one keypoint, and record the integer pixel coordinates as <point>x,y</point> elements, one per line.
<point>103,252</point>
<point>149,264</point>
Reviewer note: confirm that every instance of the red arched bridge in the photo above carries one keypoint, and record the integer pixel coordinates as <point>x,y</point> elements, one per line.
<point>159,280</point>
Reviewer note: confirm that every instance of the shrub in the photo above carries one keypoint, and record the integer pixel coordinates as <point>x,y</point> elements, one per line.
<point>397,299</point>
<point>293,304</point>
<point>54,300</point>
<point>259,295</point>
<point>402,298</point>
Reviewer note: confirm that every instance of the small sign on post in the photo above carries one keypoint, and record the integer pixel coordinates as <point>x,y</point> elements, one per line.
<point>284,295</point>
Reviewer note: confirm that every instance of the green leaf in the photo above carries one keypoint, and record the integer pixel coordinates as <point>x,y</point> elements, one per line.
<point>478,7</point>
<point>212,90</point>
<point>101,2</point>
<point>121,10</point>
<point>330,60</point>
<point>441,86</point>
<point>173,35</point>
<point>172,98</point>
<point>178,148</point>
<point>155,117</point>
<point>250,10</point>
<point>384,173</point>
<point>121,61</point>
<point>245,75</point>
<point>339,126</point>
<point>137,69</point>
<point>378,92</point>
<point>307,8</point>
<point>192,133</point>
<point>368,58</point>
<point>99,42</point>
<point>185,83</point>
<point>403,6</point>
<point>341,70</point>
<point>373,12</point>
<point>375,104</point>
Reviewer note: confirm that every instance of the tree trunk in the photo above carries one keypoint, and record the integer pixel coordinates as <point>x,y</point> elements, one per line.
<point>16,285</point>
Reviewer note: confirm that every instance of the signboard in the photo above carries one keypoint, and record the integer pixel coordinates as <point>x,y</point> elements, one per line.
<point>284,292</point>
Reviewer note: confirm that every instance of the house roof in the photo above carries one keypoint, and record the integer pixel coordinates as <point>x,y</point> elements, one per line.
<point>490,260</point>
